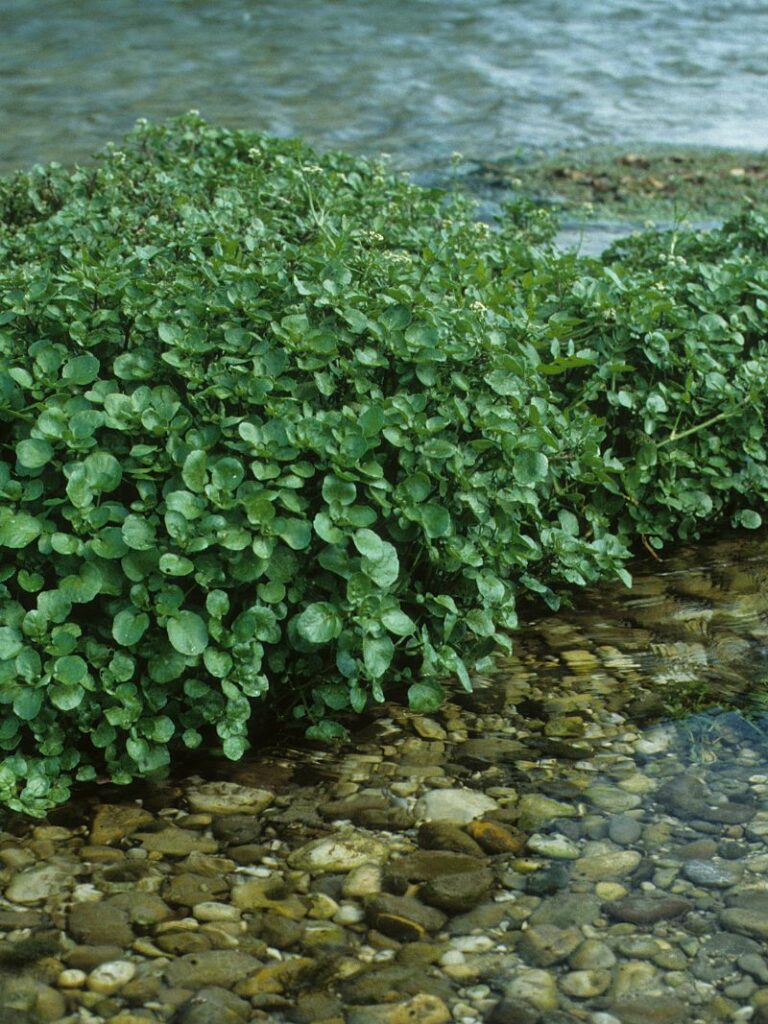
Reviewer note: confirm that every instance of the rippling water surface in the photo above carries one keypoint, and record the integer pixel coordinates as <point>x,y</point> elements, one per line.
<point>417,78</point>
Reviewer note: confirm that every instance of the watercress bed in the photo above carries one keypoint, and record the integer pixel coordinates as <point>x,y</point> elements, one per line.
<point>283,432</point>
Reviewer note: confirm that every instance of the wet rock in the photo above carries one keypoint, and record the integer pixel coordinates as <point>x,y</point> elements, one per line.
<point>568,909</point>
<point>108,978</point>
<point>545,945</point>
<point>686,797</point>
<point>213,1005</point>
<point>456,805</point>
<point>585,984</point>
<point>223,798</point>
<point>268,894</point>
<point>490,750</point>
<point>554,846</point>
<point>444,835</point>
<point>423,866</point>
<point>533,986</point>
<point>37,884</point>
<point>391,983</point>
<point>513,1011</point>
<point>591,955</point>
<point>237,829</point>
<point>713,874</point>
<point>189,889</point>
<point>365,880</point>
<point>547,881</point>
<point>85,958</point>
<point>219,967</point>
<point>611,798</point>
<point>421,1009</point>
<point>311,1007</point>
<point>482,918</point>
<point>646,909</point>
<point>624,830</point>
<point>456,894</point>
<point>144,909</point>
<point>597,867</point>
<point>176,842</point>
<point>699,849</point>
<point>496,838</point>
<point>402,917</point>
<point>746,921</point>
<point>651,1009</point>
<point>112,822</point>
<point>95,924</point>
<point>536,810</point>
<point>339,853</point>
<point>180,943</point>
<point>30,1001</point>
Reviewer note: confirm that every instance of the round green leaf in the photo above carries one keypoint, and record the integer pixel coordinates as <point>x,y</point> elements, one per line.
<point>129,626</point>
<point>11,642</point>
<point>26,704</point>
<point>82,369</point>
<point>227,474</point>
<point>530,467</point>
<point>335,490</point>
<point>18,529</point>
<point>138,533</point>
<point>425,697</point>
<point>176,565</point>
<point>318,623</point>
<point>34,453</point>
<point>70,669</point>
<point>188,634</point>
<point>397,622</point>
<point>377,655</point>
<point>194,472</point>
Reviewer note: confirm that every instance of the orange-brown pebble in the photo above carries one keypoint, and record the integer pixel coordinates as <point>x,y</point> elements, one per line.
<point>496,838</point>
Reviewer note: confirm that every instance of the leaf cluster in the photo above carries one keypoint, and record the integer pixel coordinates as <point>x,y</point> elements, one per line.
<point>283,430</point>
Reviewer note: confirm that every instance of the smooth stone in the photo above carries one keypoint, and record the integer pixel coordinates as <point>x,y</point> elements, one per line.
<point>496,838</point>
<point>456,805</point>
<point>746,921</point>
<point>218,967</point>
<point>421,1009</point>
<point>551,880</point>
<point>545,945</point>
<point>268,894</point>
<point>651,1009</point>
<point>237,829</point>
<point>426,865</point>
<point>213,1005</point>
<point>568,909</point>
<point>85,958</point>
<point>176,842</point>
<point>686,796</point>
<point>110,977</point>
<point>212,910</point>
<point>37,884</point>
<point>339,853</point>
<point>624,830</point>
<point>97,924</point>
<point>633,976</point>
<point>513,1011</point>
<point>536,810</point>
<point>482,918</point>
<point>444,835</point>
<point>389,983</point>
<point>534,986</point>
<point>362,881</point>
<point>602,866</point>
<point>585,984</point>
<point>611,798</point>
<point>456,894</point>
<point>698,849</point>
<point>188,889</point>
<point>555,846</point>
<point>646,909</point>
<point>713,875</point>
<point>402,917</point>
<point>143,908</point>
<point>112,822</point>
<point>228,798</point>
<point>591,955</point>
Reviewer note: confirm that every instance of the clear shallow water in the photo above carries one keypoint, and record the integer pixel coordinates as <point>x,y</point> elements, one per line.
<point>416,78</point>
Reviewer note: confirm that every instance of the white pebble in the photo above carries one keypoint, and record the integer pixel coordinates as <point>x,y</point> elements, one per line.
<point>211,910</point>
<point>71,978</point>
<point>349,913</point>
<point>473,943</point>
<point>603,1018</point>
<point>110,977</point>
<point>452,957</point>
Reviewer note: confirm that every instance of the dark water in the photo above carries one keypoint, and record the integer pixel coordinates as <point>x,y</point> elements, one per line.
<point>416,78</point>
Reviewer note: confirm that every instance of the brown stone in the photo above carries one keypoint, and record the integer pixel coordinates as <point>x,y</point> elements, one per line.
<point>113,822</point>
<point>646,909</point>
<point>495,838</point>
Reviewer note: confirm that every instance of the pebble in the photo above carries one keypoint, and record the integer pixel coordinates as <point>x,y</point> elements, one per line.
<point>713,874</point>
<point>454,805</point>
<point>110,977</point>
<point>555,846</point>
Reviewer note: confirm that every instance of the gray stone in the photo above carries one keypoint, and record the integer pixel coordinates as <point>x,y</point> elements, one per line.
<point>189,889</point>
<point>425,865</point>
<point>651,1009</point>
<point>218,967</point>
<point>392,983</point>
<point>402,917</point>
<point>513,1011</point>
<point>176,842</point>
<point>213,1005</point>
<point>686,797</point>
<point>228,798</point>
<point>603,866</point>
<point>624,830</point>
<point>646,909</point>
<point>444,835</point>
<point>713,874</point>
<point>457,805</point>
<point>95,924</point>
<point>341,852</point>
<point>537,810</point>
<point>568,909</point>
<point>456,894</point>
<point>744,920</point>
<point>37,884</point>
<point>545,945</point>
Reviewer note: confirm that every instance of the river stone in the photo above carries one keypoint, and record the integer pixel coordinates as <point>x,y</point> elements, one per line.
<point>363,881</point>
<point>176,842</point>
<point>219,967</point>
<point>426,865</point>
<point>534,986</point>
<point>548,881</point>
<point>536,810</point>
<point>495,838</point>
<point>591,955</point>
<point>108,978</point>
<point>223,798</point>
<point>513,1011</point>
<point>390,983</point>
<point>651,1009</point>
<point>545,945</point>
<point>99,924</point>
<point>37,884</point>
<point>421,1009</point>
<point>568,909</point>
<point>112,822</point>
<point>646,909</point>
<point>85,958</point>
<point>456,894</point>
<point>585,984</point>
<point>555,846</point>
<point>599,866</point>
<point>268,894</point>
<point>457,805</point>
<point>699,849</point>
<point>713,875</point>
<point>143,908</point>
<point>213,1005</point>
<point>611,798</point>
<point>444,835</point>
<point>189,889</point>
<point>624,830</point>
<point>746,921</point>
<point>686,797</point>
<point>338,853</point>
<point>237,829</point>
<point>402,917</point>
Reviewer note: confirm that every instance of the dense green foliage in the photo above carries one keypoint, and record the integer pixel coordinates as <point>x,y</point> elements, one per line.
<point>282,429</point>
